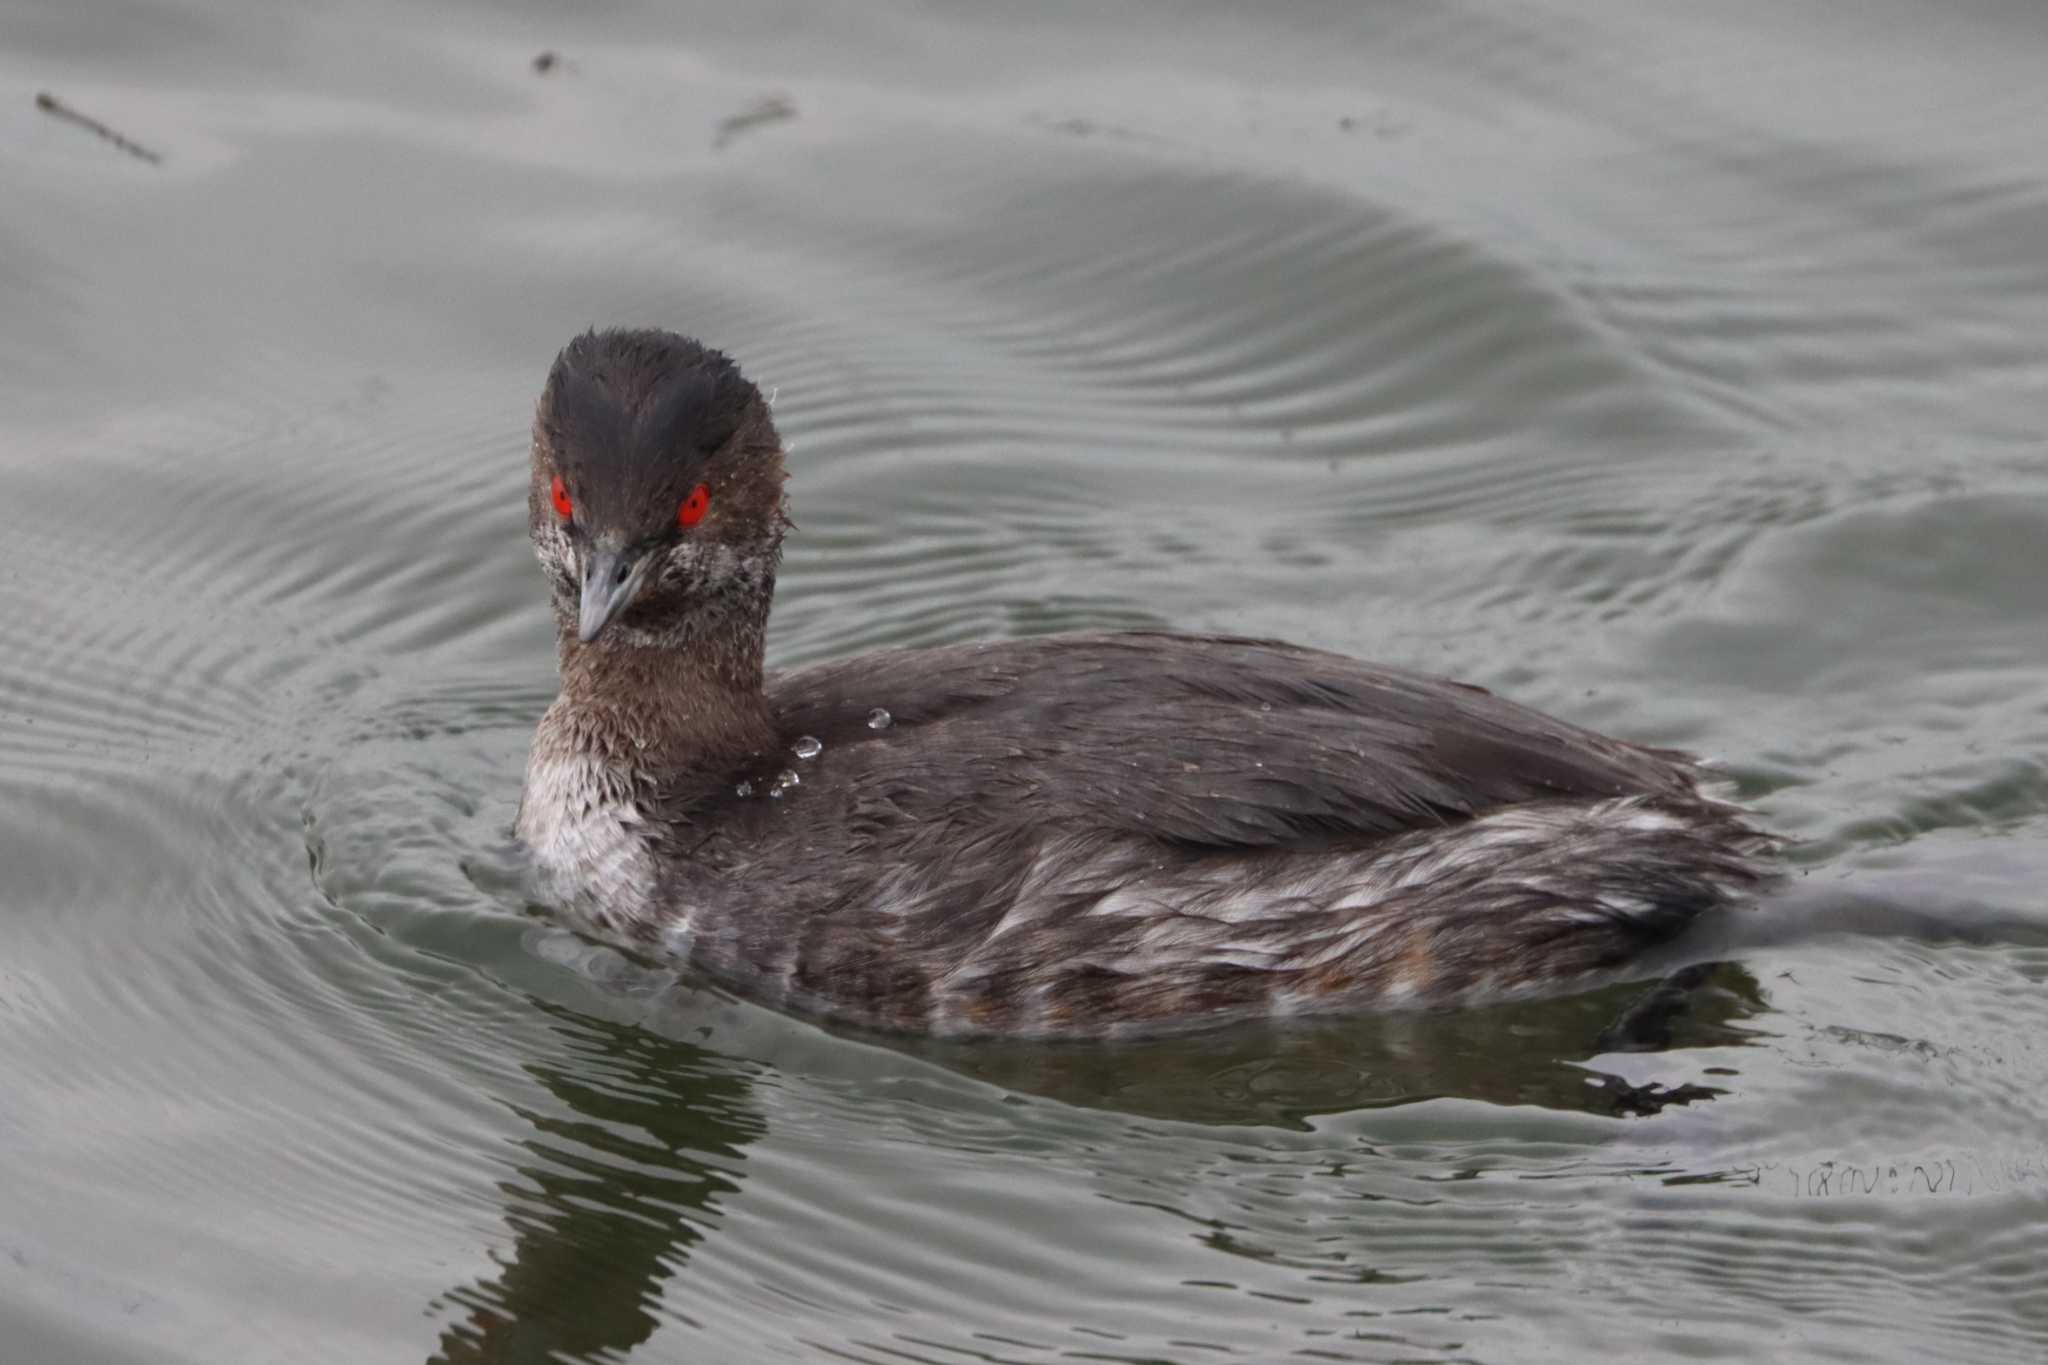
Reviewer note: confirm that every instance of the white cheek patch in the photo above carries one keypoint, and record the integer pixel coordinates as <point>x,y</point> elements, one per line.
<point>709,567</point>
<point>557,558</point>
<point>558,564</point>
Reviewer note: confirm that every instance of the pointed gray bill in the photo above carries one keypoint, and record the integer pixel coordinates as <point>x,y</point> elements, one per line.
<point>611,580</point>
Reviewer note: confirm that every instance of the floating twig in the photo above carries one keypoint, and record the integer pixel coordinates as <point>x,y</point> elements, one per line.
<point>773,109</point>
<point>56,108</point>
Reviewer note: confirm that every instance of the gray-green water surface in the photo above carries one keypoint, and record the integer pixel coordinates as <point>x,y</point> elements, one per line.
<point>1681,369</point>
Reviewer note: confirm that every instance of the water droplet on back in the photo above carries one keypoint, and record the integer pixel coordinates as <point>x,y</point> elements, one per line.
<point>784,780</point>
<point>743,789</point>
<point>807,747</point>
<point>879,719</point>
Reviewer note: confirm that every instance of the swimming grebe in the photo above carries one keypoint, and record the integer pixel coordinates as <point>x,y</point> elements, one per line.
<point>1070,836</point>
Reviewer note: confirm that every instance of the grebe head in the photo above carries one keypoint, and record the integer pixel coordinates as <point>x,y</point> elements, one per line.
<point>656,498</point>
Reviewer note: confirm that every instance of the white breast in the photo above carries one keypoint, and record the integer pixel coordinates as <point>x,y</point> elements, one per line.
<point>587,837</point>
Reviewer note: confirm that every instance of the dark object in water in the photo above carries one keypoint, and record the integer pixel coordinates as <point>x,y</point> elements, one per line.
<point>56,108</point>
<point>772,109</point>
<point>1068,836</point>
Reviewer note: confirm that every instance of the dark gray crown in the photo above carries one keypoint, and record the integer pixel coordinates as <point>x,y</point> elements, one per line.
<point>631,418</point>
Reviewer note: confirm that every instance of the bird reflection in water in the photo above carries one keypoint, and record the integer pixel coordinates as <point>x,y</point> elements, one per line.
<point>623,1181</point>
<point>1543,1052</point>
<point>628,1177</point>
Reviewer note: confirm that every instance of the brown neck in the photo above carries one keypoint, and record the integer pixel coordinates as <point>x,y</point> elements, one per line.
<point>666,708</point>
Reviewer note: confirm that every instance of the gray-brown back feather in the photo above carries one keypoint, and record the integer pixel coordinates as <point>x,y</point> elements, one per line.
<point>1202,740</point>
<point>1081,834</point>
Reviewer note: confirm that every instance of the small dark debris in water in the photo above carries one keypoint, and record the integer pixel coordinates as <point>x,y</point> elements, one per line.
<point>1385,126</point>
<point>546,62</point>
<point>1083,127</point>
<point>773,109</point>
<point>56,108</point>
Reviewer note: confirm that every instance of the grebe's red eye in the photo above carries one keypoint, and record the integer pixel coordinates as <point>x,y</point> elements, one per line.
<point>694,507</point>
<point>559,492</point>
